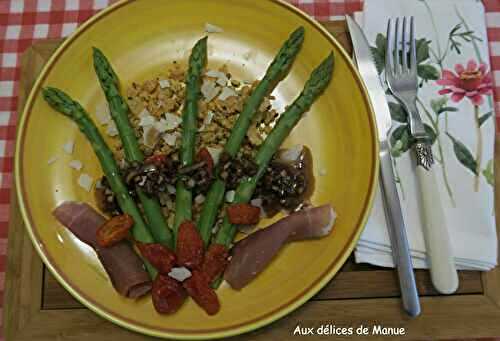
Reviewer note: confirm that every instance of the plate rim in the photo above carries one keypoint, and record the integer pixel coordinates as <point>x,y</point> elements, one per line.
<point>261,321</point>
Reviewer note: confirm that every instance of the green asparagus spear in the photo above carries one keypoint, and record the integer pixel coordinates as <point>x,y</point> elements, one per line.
<point>61,102</point>
<point>317,82</point>
<point>274,73</point>
<point>119,112</point>
<point>197,62</point>
<point>208,215</point>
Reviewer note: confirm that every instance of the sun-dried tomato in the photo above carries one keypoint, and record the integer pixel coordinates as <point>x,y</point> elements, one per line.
<point>114,230</point>
<point>160,256</point>
<point>189,246</point>
<point>167,294</point>
<point>243,214</point>
<point>215,261</point>
<point>157,159</point>
<point>198,287</point>
<point>205,156</point>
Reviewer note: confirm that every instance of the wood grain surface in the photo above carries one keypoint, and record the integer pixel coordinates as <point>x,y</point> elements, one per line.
<point>36,307</point>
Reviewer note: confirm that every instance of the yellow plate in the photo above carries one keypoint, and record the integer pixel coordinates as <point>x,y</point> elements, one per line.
<point>141,38</point>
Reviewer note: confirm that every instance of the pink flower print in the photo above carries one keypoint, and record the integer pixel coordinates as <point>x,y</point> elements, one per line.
<point>472,81</point>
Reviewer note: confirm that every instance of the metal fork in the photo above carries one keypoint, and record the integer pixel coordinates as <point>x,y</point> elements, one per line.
<point>402,81</point>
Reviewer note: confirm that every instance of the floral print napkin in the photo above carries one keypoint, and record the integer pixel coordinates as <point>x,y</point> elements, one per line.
<point>456,104</point>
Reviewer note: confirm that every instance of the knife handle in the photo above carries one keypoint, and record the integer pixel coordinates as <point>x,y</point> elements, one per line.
<point>437,239</point>
<point>397,234</point>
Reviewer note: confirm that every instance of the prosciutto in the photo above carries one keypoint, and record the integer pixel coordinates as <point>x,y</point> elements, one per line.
<point>122,264</point>
<point>251,255</point>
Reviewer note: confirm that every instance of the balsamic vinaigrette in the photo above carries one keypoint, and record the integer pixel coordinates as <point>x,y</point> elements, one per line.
<point>287,184</point>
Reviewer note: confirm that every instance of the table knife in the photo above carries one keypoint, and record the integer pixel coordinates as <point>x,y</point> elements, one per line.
<point>394,215</point>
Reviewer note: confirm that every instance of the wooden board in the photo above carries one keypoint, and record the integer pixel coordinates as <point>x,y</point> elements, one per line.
<point>36,307</point>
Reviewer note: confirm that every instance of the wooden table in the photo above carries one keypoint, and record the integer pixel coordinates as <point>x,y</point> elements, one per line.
<point>36,307</point>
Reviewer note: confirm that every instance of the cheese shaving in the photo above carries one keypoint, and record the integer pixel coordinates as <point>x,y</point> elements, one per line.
<point>171,189</point>
<point>102,113</point>
<point>147,120</point>
<point>172,121</point>
<point>209,90</point>
<point>292,154</point>
<point>220,76</point>
<point>209,117</point>
<point>69,146</point>
<point>180,274</point>
<point>226,93</point>
<point>145,112</point>
<point>85,181</point>
<point>215,154</point>
<point>210,28</point>
<point>76,164</point>
<point>52,159</point>
<point>164,83</point>
<point>230,196</point>
<point>170,138</point>
<point>161,125</point>
<point>199,199</point>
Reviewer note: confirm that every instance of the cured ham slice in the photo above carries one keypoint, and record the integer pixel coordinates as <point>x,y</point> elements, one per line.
<point>123,265</point>
<point>251,255</point>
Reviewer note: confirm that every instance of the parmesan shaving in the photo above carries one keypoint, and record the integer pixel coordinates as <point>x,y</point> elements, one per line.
<point>76,164</point>
<point>102,113</point>
<point>226,93</point>
<point>230,196</point>
<point>220,76</point>
<point>292,154</point>
<point>210,28</point>
<point>208,118</point>
<point>180,274</point>
<point>85,181</point>
<point>98,184</point>
<point>161,125</point>
<point>69,146</point>
<point>164,83</point>
<point>215,154</point>
<point>209,90</point>
<point>171,189</point>
<point>172,121</point>
<point>147,120</point>
<point>199,199</point>
<point>170,138</point>
<point>258,202</point>
<point>52,159</point>
<point>145,112</point>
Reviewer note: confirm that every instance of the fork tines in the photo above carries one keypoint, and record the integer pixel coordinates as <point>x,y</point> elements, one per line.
<point>393,48</point>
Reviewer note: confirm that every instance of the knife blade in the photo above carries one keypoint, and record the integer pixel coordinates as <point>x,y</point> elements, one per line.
<point>392,204</point>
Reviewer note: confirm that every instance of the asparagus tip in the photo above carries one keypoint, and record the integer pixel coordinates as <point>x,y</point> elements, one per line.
<point>327,64</point>
<point>96,52</point>
<point>300,30</point>
<point>202,41</point>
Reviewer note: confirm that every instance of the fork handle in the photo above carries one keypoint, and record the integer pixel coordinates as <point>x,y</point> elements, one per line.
<point>437,239</point>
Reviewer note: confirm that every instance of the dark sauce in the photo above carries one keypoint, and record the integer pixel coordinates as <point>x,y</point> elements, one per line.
<point>287,184</point>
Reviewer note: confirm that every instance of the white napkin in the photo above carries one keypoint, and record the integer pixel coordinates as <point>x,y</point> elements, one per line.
<point>470,214</point>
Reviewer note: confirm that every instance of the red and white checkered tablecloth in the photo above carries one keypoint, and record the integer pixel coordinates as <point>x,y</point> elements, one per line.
<point>23,22</point>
